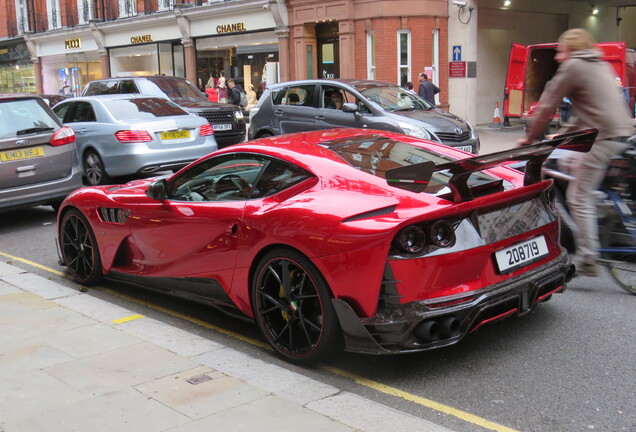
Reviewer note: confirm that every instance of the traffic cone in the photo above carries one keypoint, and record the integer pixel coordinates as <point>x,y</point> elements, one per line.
<point>496,117</point>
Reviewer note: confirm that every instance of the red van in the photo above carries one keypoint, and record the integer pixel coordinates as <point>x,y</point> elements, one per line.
<point>530,67</point>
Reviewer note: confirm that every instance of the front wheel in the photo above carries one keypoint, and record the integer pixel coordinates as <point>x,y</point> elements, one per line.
<point>292,306</point>
<point>79,249</point>
<point>619,254</point>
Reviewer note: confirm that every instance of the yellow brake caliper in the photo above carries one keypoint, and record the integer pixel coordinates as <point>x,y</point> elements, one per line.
<point>281,294</point>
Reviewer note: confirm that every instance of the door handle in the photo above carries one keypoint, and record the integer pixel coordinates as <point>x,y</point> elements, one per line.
<point>82,131</point>
<point>320,118</point>
<point>278,113</point>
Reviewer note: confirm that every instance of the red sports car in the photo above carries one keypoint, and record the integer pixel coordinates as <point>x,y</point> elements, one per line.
<point>370,241</point>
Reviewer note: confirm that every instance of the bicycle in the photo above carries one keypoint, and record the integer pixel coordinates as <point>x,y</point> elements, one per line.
<point>616,206</point>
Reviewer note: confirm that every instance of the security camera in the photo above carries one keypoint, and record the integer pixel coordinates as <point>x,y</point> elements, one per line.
<point>460,3</point>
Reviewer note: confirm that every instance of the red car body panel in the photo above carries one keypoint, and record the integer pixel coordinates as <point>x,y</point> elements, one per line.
<point>221,241</point>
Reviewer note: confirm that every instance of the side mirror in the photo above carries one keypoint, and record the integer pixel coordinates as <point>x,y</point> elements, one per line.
<point>158,190</point>
<point>349,107</point>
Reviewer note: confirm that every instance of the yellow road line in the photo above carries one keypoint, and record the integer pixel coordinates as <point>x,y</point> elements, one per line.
<point>382,388</point>
<point>33,264</point>
<point>128,318</point>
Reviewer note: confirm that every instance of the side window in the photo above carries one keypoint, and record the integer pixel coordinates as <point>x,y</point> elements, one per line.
<point>83,113</point>
<point>299,96</point>
<point>224,178</point>
<point>127,86</point>
<point>278,176</point>
<point>61,110</point>
<point>101,87</point>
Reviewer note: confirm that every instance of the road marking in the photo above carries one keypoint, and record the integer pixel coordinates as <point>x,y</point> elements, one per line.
<point>382,388</point>
<point>128,318</point>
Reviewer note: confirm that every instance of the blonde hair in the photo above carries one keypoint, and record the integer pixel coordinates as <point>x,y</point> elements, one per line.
<point>577,39</point>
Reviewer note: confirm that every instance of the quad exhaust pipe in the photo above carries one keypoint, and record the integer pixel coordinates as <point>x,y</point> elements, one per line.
<point>438,329</point>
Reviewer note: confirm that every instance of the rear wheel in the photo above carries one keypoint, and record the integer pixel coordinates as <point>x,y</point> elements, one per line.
<point>94,171</point>
<point>79,249</point>
<point>619,254</point>
<point>293,309</point>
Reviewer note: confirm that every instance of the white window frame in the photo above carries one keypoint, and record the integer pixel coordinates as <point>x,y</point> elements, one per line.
<point>164,5</point>
<point>53,14</point>
<point>371,71</point>
<point>81,9</point>
<point>399,55</point>
<point>435,77</point>
<point>22,16</point>
<point>122,8</point>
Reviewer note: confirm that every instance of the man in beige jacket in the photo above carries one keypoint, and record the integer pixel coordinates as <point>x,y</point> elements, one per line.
<point>588,81</point>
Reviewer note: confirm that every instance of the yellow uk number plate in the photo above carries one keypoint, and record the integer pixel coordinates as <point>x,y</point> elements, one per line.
<point>175,135</point>
<point>26,153</point>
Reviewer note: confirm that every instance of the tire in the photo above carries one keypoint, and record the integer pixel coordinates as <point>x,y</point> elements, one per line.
<point>94,171</point>
<point>79,249</point>
<point>265,135</point>
<point>622,265</point>
<point>292,306</point>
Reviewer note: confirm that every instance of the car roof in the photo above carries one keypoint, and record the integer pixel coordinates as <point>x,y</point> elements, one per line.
<point>345,81</point>
<point>115,96</point>
<point>140,77</point>
<point>5,96</point>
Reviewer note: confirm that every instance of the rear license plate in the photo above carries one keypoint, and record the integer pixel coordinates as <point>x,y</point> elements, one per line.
<point>222,127</point>
<point>468,149</point>
<point>521,254</point>
<point>27,153</point>
<point>175,135</point>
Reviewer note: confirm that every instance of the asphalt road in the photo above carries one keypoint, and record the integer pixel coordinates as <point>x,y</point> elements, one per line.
<point>564,367</point>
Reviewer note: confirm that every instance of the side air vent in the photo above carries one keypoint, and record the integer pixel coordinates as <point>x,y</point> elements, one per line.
<point>371,214</point>
<point>114,215</point>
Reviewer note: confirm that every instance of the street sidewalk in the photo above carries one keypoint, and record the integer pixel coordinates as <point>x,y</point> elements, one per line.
<point>72,362</point>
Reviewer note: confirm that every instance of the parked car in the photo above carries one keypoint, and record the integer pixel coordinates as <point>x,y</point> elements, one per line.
<point>369,240</point>
<point>38,158</point>
<point>309,105</point>
<point>227,120</point>
<point>125,134</point>
<point>53,99</point>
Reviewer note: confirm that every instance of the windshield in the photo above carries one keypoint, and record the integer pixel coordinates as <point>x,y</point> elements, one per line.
<point>393,98</point>
<point>174,89</point>
<point>142,108</point>
<point>375,154</point>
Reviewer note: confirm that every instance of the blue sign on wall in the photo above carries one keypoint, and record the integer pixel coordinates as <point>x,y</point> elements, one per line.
<point>457,53</point>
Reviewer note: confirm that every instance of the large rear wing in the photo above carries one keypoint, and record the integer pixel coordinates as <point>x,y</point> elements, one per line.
<point>416,177</point>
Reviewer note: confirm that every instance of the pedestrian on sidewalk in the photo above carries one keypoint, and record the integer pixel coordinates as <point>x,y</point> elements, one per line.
<point>588,82</point>
<point>427,90</point>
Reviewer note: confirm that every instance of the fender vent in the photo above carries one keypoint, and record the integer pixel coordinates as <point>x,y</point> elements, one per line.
<point>114,215</point>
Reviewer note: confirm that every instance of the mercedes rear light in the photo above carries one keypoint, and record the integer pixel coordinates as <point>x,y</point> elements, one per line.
<point>206,130</point>
<point>65,135</point>
<point>132,136</point>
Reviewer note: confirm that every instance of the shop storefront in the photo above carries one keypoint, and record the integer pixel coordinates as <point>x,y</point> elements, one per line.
<point>244,47</point>
<point>17,74</point>
<point>146,51</point>
<point>68,63</point>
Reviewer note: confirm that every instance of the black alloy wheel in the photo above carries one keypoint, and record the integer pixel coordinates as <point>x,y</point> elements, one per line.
<point>79,249</point>
<point>94,171</point>
<point>292,306</point>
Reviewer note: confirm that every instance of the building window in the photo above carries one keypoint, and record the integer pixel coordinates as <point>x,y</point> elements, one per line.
<point>84,11</point>
<point>370,55</point>
<point>127,8</point>
<point>22,16</point>
<point>165,5</point>
<point>53,14</point>
<point>404,56</point>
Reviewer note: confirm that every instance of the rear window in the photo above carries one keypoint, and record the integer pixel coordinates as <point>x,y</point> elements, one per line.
<point>24,116</point>
<point>173,88</point>
<point>375,154</point>
<point>142,108</point>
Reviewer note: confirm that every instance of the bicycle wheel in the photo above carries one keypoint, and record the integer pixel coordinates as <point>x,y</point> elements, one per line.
<point>618,252</point>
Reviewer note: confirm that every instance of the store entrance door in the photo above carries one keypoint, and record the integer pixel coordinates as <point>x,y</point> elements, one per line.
<point>328,50</point>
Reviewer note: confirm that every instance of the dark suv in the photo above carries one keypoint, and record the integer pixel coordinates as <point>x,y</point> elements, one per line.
<point>324,104</point>
<point>227,120</point>
<point>38,158</point>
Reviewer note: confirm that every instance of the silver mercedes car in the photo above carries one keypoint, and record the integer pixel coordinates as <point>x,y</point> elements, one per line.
<point>126,134</point>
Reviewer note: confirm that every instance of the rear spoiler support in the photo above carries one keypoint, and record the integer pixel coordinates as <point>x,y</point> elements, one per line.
<point>416,177</point>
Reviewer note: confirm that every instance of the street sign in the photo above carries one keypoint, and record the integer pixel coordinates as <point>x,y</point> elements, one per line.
<point>457,53</point>
<point>457,69</point>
